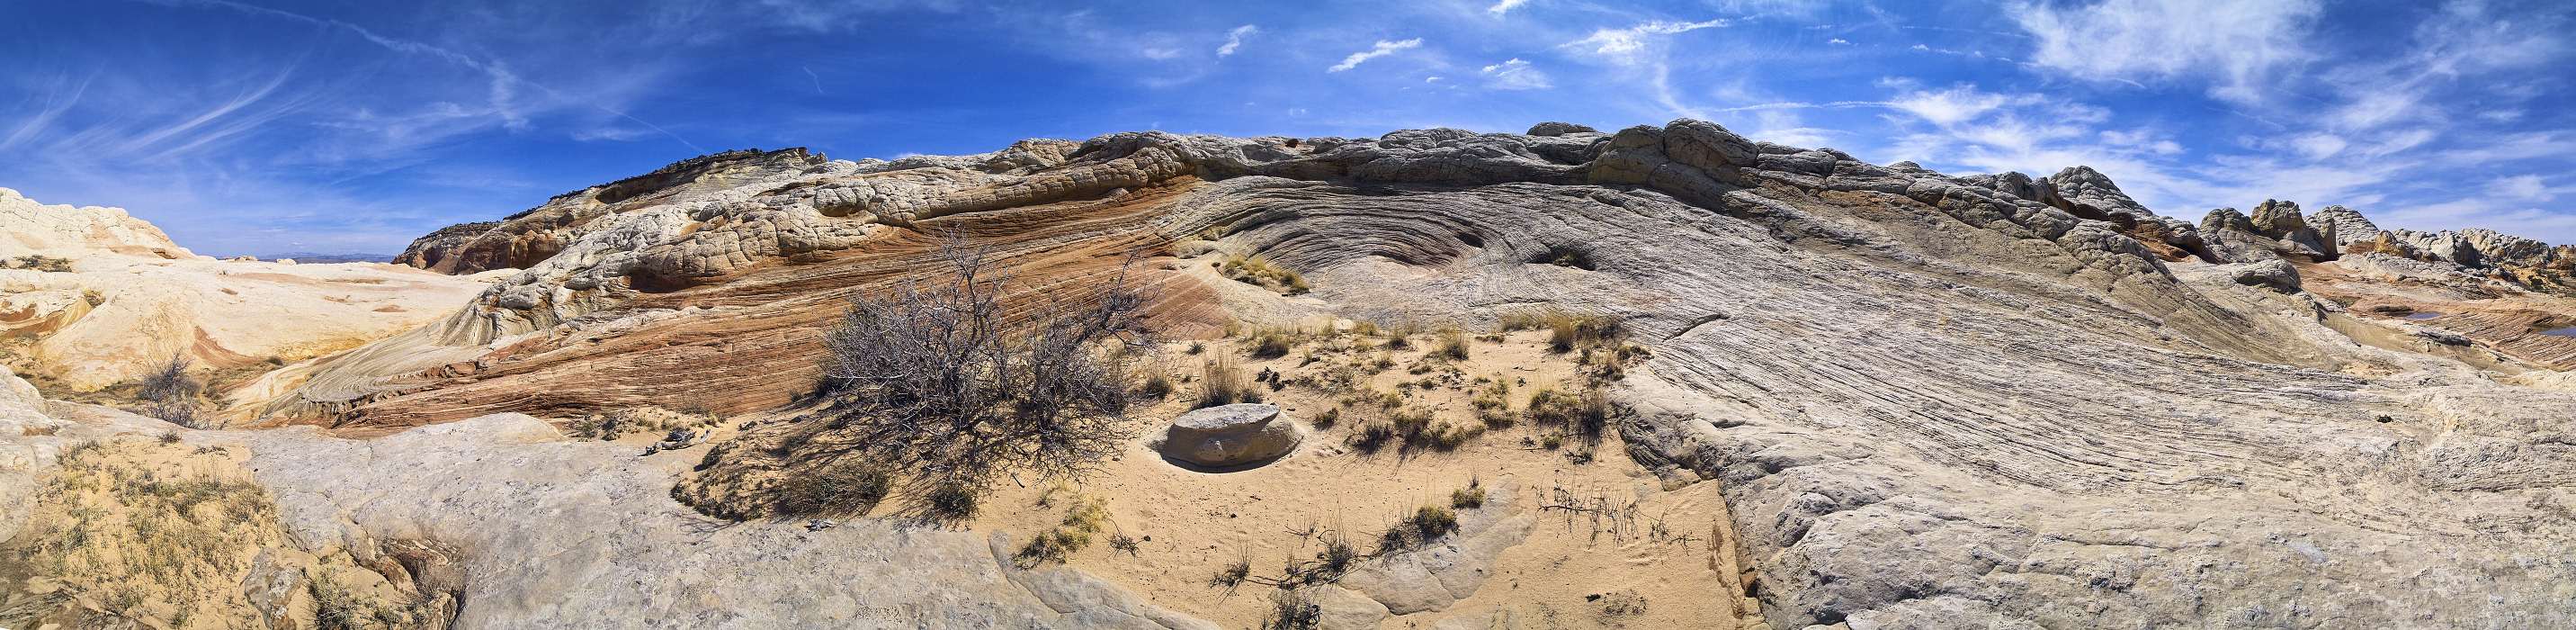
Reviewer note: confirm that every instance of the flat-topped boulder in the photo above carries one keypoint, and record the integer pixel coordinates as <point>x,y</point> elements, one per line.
<point>1230,435</point>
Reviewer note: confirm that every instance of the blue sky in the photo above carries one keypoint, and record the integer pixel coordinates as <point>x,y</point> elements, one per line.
<point>269,126</point>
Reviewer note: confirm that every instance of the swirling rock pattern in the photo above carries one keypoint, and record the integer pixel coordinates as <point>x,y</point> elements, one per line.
<point>1932,401</point>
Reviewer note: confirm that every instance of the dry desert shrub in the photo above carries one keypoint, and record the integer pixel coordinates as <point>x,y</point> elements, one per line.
<point>170,392</point>
<point>949,379</point>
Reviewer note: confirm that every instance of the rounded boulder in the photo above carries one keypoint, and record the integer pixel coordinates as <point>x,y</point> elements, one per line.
<point>1229,436</point>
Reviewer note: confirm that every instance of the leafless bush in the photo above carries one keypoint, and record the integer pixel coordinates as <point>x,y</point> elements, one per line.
<point>940,379</point>
<point>169,392</point>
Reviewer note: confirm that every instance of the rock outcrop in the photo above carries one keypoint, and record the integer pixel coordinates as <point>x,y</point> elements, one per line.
<point>125,298</point>
<point>1929,401</point>
<point>2338,226</point>
<point>2088,194</point>
<point>1230,436</point>
<point>607,547</point>
<point>30,228</point>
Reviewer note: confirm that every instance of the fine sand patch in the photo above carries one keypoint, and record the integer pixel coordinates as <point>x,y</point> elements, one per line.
<point>1610,546</point>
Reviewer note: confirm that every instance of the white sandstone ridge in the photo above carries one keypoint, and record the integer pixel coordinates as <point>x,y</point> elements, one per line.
<point>62,231</point>
<point>124,296</point>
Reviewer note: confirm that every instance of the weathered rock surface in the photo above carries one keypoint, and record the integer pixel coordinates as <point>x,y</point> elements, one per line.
<point>2338,225</point>
<point>562,534</point>
<point>132,298</point>
<point>1227,436</point>
<point>22,457</point>
<point>1445,570</point>
<point>63,231</point>
<point>1931,401</point>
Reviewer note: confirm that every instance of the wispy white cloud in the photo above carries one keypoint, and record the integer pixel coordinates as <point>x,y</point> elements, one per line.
<point>1515,74</point>
<point>2526,187</point>
<point>56,102</point>
<point>1381,49</point>
<point>2241,46</point>
<point>1234,39</point>
<point>1628,45</point>
<point>1505,6</point>
<point>1954,105</point>
<point>611,134</point>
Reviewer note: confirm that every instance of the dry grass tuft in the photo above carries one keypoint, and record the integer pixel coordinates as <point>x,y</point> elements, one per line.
<point>1453,345</point>
<point>1256,270</point>
<point>1224,383</point>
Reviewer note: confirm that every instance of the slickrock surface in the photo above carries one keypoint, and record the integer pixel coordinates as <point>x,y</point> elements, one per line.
<point>1928,401</point>
<point>131,298</point>
<point>558,534</point>
<point>67,231</point>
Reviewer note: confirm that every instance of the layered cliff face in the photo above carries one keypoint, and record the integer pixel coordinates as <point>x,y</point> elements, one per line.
<point>1929,401</point>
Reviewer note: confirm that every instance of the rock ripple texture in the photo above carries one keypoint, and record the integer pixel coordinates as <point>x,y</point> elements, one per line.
<point>1932,401</point>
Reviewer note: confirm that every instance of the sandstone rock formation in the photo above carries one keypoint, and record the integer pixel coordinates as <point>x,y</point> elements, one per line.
<point>1228,436</point>
<point>1929,401</point>
<point>77,232</point>
<point>131,298</point>
<point>23,459</point>
<point>2338,226</point>
<point>585,535</point>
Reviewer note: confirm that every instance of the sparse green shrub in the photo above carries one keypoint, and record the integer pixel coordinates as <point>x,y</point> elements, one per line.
<point>1470,497</point>
<point>1329,417</point>
<point>1426,524</point>
<point>1433,521</point>
<point>1087,517</point>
